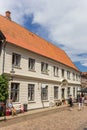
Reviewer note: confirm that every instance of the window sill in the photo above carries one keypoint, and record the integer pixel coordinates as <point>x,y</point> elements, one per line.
<point>44,73</point>
<point>31,70</point>
<point>31,101</point>
<point>45,100</point>
<point>17,67</point>
<point>56,76</point>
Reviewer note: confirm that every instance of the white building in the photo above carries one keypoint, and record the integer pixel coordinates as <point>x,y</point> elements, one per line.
<point>43,72</point>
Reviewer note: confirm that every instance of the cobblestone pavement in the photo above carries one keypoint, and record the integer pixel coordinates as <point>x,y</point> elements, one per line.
<point>56,119</point>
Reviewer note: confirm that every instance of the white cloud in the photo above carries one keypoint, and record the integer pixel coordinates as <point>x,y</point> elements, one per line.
<point>66,21</point>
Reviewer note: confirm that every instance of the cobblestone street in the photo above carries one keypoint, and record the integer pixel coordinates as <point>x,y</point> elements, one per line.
<point>53,120</point>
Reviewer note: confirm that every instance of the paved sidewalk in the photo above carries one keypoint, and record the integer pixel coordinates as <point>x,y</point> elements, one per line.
<point>30,112</point>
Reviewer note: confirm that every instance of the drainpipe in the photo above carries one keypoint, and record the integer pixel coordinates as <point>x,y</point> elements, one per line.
<point>3,61</point>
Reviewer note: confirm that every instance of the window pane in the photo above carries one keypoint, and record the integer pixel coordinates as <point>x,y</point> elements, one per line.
<point>31,64</point>
<point>16,59</point>
<point>44,93</point>
<point>31,90</point>
<point>55,92</point>
<point>15,92</point>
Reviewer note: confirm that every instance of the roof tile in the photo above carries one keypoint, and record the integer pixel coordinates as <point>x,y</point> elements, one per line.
<point>22,37</point>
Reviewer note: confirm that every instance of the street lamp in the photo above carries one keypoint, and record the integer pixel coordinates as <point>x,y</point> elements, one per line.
<point>12,73</point>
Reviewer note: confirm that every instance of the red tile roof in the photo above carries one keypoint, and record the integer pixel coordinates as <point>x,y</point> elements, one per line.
<point>22,37</point>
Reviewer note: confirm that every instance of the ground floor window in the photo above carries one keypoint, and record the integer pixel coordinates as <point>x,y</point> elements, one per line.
<point>68,91</point>
<point>31,92</point>
<point>14,96</point>
<point>74,92</point>
<point>44,93</point>
<point>55,92</point>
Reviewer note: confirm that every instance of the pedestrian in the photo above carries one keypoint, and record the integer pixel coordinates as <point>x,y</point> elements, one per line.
<point>70,102</point>
<point>82,99</point>
<point>80,102</point>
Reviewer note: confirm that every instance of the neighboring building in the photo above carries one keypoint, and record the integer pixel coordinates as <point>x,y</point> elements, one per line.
<point>43,72</point>
<point>84,79</point>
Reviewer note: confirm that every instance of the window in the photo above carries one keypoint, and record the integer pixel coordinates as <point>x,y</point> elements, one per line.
<point>44,93</point>
<point>15,92</point>
<point>68,74</point>
<point>44,67</point>
<point>62,72</point>
<point>74,92</point>
<point>55,69</point>
<point>73,76</point>
<point>16,59</point>
<point>77,77</point>
<point>68,91</point>
<point>31,64</point>
<point>55,92</point>
<point>31,91</point>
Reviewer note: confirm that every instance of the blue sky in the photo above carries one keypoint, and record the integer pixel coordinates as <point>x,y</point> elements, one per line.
<point>61,22</point>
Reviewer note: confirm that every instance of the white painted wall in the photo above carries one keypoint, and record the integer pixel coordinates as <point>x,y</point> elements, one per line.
<point>24,76</point>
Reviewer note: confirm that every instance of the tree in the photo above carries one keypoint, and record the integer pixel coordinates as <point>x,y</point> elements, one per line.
<point>3,88</point>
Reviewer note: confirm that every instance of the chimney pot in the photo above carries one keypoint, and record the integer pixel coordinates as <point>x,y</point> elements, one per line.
<point>8,13</point>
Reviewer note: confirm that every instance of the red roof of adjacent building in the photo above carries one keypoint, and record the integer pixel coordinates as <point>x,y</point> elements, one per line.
<point>18,35</point>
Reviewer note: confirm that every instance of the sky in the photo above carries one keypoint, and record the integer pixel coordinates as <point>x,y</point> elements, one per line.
<point>61,22</point>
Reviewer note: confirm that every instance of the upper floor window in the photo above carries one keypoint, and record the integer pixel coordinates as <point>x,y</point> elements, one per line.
<point>31,64</point>
<point>44,93</point>
<point>31,92</point>
<point>68,74</point>
<point>44,67</point>
<point>55,70</point>
<point>73,76</point>
<point>14,92</point>
<point>76,76</point>
<point>16,59</point>
<point>55,92</point>
<point>62,72</point>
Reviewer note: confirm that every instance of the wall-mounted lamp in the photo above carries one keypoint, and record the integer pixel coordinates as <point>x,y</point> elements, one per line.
<point>12,73</point>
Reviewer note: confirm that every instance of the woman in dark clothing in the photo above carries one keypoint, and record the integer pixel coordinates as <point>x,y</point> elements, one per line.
<point>70,102</point>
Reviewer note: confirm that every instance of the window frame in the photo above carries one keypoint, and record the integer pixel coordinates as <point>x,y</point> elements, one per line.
<point>31,64</point>
<point>16,59</point>
<point>56,92</point>
<point>56,71</point>
<point>44,68</point>
<point>31,92</point>
<point>15,92</point>
<point>44,93</point>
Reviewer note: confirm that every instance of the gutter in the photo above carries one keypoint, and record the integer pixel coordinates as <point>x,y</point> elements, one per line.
<point>3,41</point>
<point>3,60</point>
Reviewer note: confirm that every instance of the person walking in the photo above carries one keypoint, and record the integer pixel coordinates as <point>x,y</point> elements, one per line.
<point>80,102</point>
<point>70,102</point>
<point>82,99</point>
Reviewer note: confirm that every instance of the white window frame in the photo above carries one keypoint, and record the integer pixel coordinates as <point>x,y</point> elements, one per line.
<point>44,93</point>
<point>14,94</point>
<point>63,72</point>
<point>31,92</point>
<point>16,59</point>
<point>31,64</point>
<point>68,74</point>
<point>56,92</point>
<point>44,68</point>
<point>68,91</point>
<point>55,71</point>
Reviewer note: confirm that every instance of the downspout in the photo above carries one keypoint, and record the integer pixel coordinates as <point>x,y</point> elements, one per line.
<point>3,60</point>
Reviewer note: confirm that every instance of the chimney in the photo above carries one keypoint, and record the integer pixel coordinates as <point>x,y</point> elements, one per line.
<point>7,15</point>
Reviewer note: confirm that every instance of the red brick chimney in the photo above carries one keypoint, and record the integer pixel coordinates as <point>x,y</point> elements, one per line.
<point>7,15</point>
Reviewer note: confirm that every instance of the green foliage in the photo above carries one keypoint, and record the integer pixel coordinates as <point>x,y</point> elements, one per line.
<point>3,88</point>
